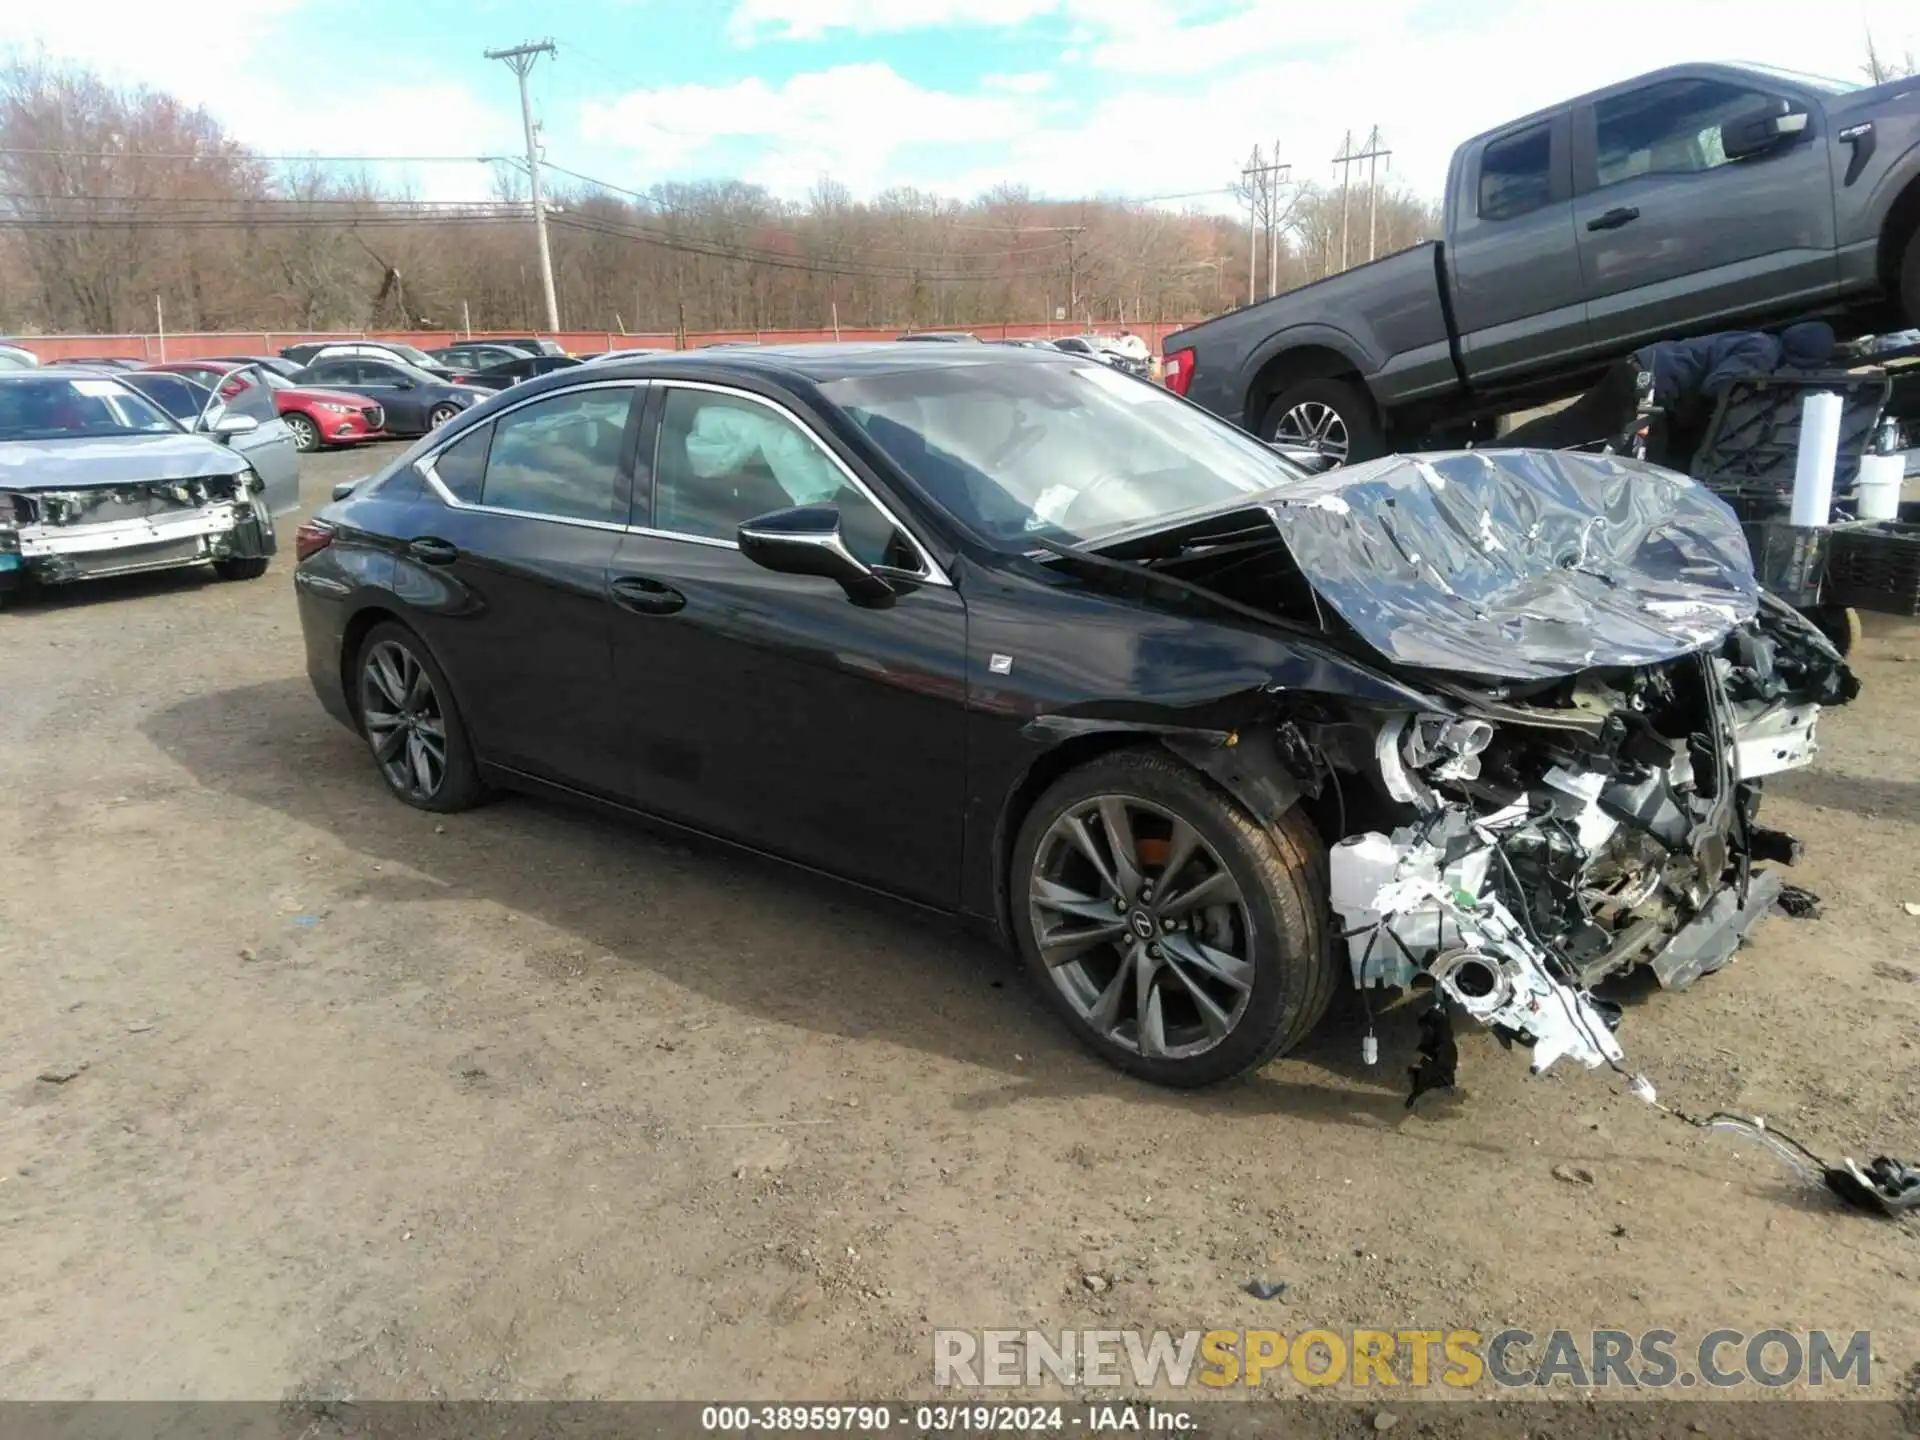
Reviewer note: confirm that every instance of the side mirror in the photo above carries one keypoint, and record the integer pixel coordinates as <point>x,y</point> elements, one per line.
<point>228,425</point>
<point>806,541</point>
<point>1765,127</point>
<point>346,488</point>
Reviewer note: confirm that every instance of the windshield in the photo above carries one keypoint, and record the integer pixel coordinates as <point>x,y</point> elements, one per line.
<point>57,407</point>
<point>1068,451</point>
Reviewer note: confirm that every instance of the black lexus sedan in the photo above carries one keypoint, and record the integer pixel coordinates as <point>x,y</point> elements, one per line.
<point>1011,635</point>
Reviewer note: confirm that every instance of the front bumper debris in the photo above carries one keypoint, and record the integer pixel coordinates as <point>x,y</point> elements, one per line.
<point>89,534</point>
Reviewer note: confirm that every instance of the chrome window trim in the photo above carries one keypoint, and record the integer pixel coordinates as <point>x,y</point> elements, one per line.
<point>425,464</point>
<point>929,573</point>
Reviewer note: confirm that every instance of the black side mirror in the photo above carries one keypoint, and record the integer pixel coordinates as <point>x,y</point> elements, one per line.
<point>806,541</point>
<point>1765,127</point>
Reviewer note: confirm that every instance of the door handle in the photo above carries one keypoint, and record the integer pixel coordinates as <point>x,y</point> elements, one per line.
<point>1614,219</point>
<point>433,551</point>
<point>646,597</point>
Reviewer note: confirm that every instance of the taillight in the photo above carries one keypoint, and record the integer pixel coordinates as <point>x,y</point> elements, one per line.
<point>311,538</point>
<point>1177,371</point>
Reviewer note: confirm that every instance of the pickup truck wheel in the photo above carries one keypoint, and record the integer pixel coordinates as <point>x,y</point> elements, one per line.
<point>1334,417</point>
<point>1910,280</point>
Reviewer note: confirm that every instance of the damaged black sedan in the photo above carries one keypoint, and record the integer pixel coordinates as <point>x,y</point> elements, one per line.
<point>1013,636</point>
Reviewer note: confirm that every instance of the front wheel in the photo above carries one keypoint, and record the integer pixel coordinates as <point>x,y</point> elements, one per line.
<point>440,415</point>
<point>1181,940</point>
<point>306,435</point>
<point>1334,417</point>
<point>241,567</point>
<point>411,724</point>
<point>1910,280</point>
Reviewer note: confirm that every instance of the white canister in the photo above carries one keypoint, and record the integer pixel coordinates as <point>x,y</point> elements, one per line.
<point>1876,494</point>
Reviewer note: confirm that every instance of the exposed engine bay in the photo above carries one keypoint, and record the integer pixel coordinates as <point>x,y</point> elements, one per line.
<point>61,535</point>
<point>1610,689</point>
<point>1563,833</point>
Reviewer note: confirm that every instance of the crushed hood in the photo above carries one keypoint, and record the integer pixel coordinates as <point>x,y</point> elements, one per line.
<point>112,460</point>
<point>1520,564</point>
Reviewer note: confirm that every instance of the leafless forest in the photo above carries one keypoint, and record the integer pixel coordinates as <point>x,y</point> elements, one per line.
<point>112,197</point>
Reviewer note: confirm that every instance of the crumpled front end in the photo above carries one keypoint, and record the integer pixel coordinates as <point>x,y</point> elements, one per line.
<point>1555,834</point>
<point>56,536</point>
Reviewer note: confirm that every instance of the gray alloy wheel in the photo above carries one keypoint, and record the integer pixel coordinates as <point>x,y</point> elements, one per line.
<point>1142,927</point>
<point>1317,426</point>
<point>440,415</point>
<point>306,435</point>
<point>405,721</point>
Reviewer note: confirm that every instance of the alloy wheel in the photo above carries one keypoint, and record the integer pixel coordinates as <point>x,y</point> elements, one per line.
<point>1141,926</point>
<point>441,415</point>
<point>1314,424</point>
<point>306,435</point>
<point>405,722</point>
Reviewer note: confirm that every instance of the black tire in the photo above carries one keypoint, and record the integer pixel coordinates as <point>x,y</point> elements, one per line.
<point>241,567</point>
<point>459,786</point>
<point>1910,280</point>
<point>440,415</point>
<point>306,434</point>
<point>1281,879</point>
<point>1298,410</point>
<point>1839,623</point>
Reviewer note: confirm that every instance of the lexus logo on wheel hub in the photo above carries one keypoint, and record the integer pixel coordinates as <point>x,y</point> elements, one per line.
<point>1141,924</point>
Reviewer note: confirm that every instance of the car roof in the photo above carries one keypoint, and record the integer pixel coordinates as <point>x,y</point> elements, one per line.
<point>826,362</point>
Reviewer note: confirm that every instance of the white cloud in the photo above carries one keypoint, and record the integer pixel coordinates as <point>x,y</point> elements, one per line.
<point>812,19</point>
<point>241,74</point>
<point>1032,82</point>
<point>847,122</point>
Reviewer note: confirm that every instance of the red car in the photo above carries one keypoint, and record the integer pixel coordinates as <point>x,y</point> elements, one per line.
<point>317,417</point>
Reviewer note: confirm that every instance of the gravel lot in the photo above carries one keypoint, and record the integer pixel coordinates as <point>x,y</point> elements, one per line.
<point>527,1102</point>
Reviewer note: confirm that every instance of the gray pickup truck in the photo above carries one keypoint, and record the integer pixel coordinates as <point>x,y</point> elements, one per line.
<point>1697,198</point>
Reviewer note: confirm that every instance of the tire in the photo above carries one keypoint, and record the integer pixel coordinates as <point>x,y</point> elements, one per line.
<point>440,415</point>
<point>1274,927</point>
<point>241,567</point>
<point>399,656</point>
<point>306,434</point>
<point>1839,623</point>
<point>1910,280</point>
<point>1333,416</point>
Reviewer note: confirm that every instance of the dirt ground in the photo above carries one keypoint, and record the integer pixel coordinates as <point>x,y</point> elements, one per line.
<point>529,1103</point>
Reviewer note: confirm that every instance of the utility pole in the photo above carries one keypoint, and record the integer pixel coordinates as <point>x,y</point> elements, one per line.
<point>520,60</point>
<point>1073,270</point>
<point>1263,181</point>
<point>1373,153</point>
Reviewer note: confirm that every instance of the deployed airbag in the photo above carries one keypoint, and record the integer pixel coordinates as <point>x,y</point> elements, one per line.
<point>724,440</point>
<point>1520,564</point>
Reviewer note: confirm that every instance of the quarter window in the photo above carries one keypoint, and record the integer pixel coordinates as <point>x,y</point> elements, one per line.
<point>1668,129</point>
<point>560,456</point>
<point>723,461</point>
<point>1516,174</point>
<point>462,466</point>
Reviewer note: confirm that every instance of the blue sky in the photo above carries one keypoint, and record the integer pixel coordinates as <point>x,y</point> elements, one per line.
<point>1067,97</point>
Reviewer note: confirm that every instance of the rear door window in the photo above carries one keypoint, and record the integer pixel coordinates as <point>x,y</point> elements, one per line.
<point>1516,173</point>
<point>561,456</point>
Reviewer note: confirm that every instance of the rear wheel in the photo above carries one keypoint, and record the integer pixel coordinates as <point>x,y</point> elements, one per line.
<point>441,415</point>
<point>306,435</point>
<point>1910,280</point>
<point>411,723</point>
<point>241,567</point>
<point>1179,939</point>
<point>1335,417</point>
